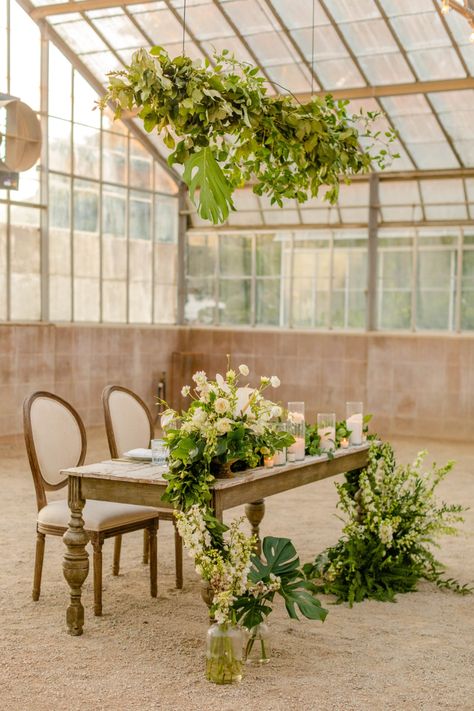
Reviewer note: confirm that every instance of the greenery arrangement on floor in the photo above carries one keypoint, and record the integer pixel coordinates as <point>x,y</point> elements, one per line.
<point>226,132</point>
<point>392,522</point>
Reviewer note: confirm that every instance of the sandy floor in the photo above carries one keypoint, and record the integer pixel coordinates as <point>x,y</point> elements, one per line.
<point>147,654</point>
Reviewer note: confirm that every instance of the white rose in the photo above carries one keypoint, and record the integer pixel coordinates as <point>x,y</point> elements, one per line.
<point>275,381</point>
<point>276,411</point>
<point>244,370</point>
<point>224,425</point>
<point>221,405</point>
<point>199,416</point>
<point>257,428</point>
<point>185,390</point>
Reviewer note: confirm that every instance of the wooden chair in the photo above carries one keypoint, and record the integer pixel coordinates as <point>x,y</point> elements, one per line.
<point>56,439</point>
<point>129,425</point>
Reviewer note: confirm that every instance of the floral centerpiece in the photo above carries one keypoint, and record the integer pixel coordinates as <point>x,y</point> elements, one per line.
<point>229,425</point>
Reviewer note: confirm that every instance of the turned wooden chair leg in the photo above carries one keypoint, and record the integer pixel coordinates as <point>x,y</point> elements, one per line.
<point>153,550</point>
<point>39,556</point>
<point>178,558</point>
<point>97,542</point>
<point>146,546</point>
<point>117,549</point>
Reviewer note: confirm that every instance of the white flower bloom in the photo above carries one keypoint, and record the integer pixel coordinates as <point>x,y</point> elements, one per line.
<point>199,417</point>
<point>166,417</point>
<point>264,380</point>
<point>296,417</point>
<point>243,397</point>
<point>223,425</point>
<point>275,381</point>
<point>200,377</point>
<point>185,390</point>
<point>244,370</point>
<point>221,405</point>
<point>257,428</point>
<point>231,374</point>
<point>276,411</point>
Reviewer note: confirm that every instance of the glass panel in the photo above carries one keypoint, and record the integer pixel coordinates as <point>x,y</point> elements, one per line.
<point>235,255</point>
<point>80,37</point>
<point>436,64</point>
<point>59,145</point>
<point>141,166</point>
<point>24,73</point>
<point>86,251</point>
<point>234,302</point>
<point>114,254</point>
<point>248,16</point>
<point>269,255</point>
<point>114,157</point>
<point>291,77</point>
<point>140,216</point>
<point>340,73</point>
<point>270,48</point>
<point>140,280</point>
<point>60,283</point>
<point>3,263</point>
<point>160,24</point>
<point>60,75</point>
<point>299,13</point>
<point>25,290</point>
<point>164,183</point>
<point>347,10</point>
<point>436,289</point>
<point>201,255</point>
<point>120,31</point>
<point>394,291</point>
<point>166,219</point>
<point>86,151</point>
<point>200,301</point>
<point>85,100</point>
<point>268,295</point>
<point>207,22</point>
<point>467,293</point>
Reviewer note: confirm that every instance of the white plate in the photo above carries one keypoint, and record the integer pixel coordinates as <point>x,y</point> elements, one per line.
<point>139,454</point>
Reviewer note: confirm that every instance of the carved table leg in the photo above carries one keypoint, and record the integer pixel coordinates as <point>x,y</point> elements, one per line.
<point>255,512</point>
<point>76,559</point>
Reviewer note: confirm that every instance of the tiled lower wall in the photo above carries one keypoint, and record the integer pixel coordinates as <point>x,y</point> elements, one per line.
<point>420,385</point>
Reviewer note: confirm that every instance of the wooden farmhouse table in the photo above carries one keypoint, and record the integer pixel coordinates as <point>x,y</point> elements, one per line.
<point>132,482</point>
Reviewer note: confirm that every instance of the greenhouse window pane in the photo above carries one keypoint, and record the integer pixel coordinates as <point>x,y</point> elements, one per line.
<point>400,192</point>
<point>59,145</point>
<point>246,199</point>
<point>200,301</point>
<point>436,289</point>
<point>310,303</point>
<point>166,219</point>
<point>86,151</point>
<point>436,64</point>
<point>80,36</point>
<point>85,102</point>
<point>445,212</point>
<point>421,30</point>
<point>407,7</point>
<point>235,302</point>
<point>86,255</point>
<point>269,255</point>
<point>467,294</point>
<point>339,73</point>
<point>201,255</point>
<point>59,244</point>
<point>114,157</point>
<point>140,216</point>
<point>60,75</point>
<point>235,255</point>
<point>291,78</point>
<point>268,296</point>
<point>245,218</point>
<point>248,15</point>
<point>299,13</point>
<point>25,294</point>
<point>436,191</point>
<point>394,289</point>
<point>207,22</point>
<point>233,44</point>
<point>327,43</point>
<point>270,48</point>
<point>140,275</point>
<point>24,66</point>
<point>386,69</point>
<point>348,10</point>
<point>141,166</point>
<point>120,31</point>
<point>114,211</point>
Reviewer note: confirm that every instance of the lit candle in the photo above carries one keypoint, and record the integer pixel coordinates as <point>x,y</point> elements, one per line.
<point>269,462</point>
<point>344,443</point>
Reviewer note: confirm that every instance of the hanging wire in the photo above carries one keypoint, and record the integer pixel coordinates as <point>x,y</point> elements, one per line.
<point>312,48</point>
<point>184,26</point>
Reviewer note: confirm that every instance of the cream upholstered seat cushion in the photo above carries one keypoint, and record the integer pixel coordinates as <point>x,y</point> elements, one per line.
<point>98,515</point>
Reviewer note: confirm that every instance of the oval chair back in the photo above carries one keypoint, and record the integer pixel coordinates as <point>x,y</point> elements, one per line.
<point>55,439</point>
<point>128,421</point>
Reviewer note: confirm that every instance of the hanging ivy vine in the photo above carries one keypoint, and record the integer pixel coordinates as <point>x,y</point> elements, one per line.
<point>226,131</point>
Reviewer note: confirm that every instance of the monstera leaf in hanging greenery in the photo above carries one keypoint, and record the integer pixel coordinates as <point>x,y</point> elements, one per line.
<point>222,127</point>
<point>281,562</point>
<point>202,172</point>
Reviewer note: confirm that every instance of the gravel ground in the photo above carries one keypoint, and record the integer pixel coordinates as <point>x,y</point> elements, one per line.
<point>145,654</point>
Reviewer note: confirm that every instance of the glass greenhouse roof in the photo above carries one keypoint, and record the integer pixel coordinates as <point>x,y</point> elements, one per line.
<point>402,57</point>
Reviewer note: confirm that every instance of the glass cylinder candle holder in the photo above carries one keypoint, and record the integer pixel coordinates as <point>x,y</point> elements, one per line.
<point>159,452</point>
<point>327,431</point>
<point>296,427</point>
<point>280,455</point>
<point>355,421</point>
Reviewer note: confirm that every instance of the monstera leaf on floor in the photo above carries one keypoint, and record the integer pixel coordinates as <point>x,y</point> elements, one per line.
<point>281,560</point>
<point>202,172</point>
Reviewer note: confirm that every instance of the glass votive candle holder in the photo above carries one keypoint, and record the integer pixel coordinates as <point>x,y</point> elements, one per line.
<point>269,462</point>
<point>280,455</point>
<point>159,452</point>
<point>355,421</point>
<point>296,427</point>
<point>327,431</point>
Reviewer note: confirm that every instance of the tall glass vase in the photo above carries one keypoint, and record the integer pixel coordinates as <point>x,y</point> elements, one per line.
<point>296,426</point>
<point>257,646</point>
<point>224,651</point>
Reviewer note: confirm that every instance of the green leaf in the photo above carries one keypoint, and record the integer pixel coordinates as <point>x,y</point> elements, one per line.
<point>203,173</point>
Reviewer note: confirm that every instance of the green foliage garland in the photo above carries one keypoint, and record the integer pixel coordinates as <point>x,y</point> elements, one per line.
<point>226,131</point>
<point>392,520</point>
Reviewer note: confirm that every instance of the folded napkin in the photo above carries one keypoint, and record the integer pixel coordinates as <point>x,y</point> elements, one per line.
<point>138,454</point>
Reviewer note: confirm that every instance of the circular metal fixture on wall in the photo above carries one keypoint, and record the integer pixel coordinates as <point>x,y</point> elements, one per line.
<point>20,141</point>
